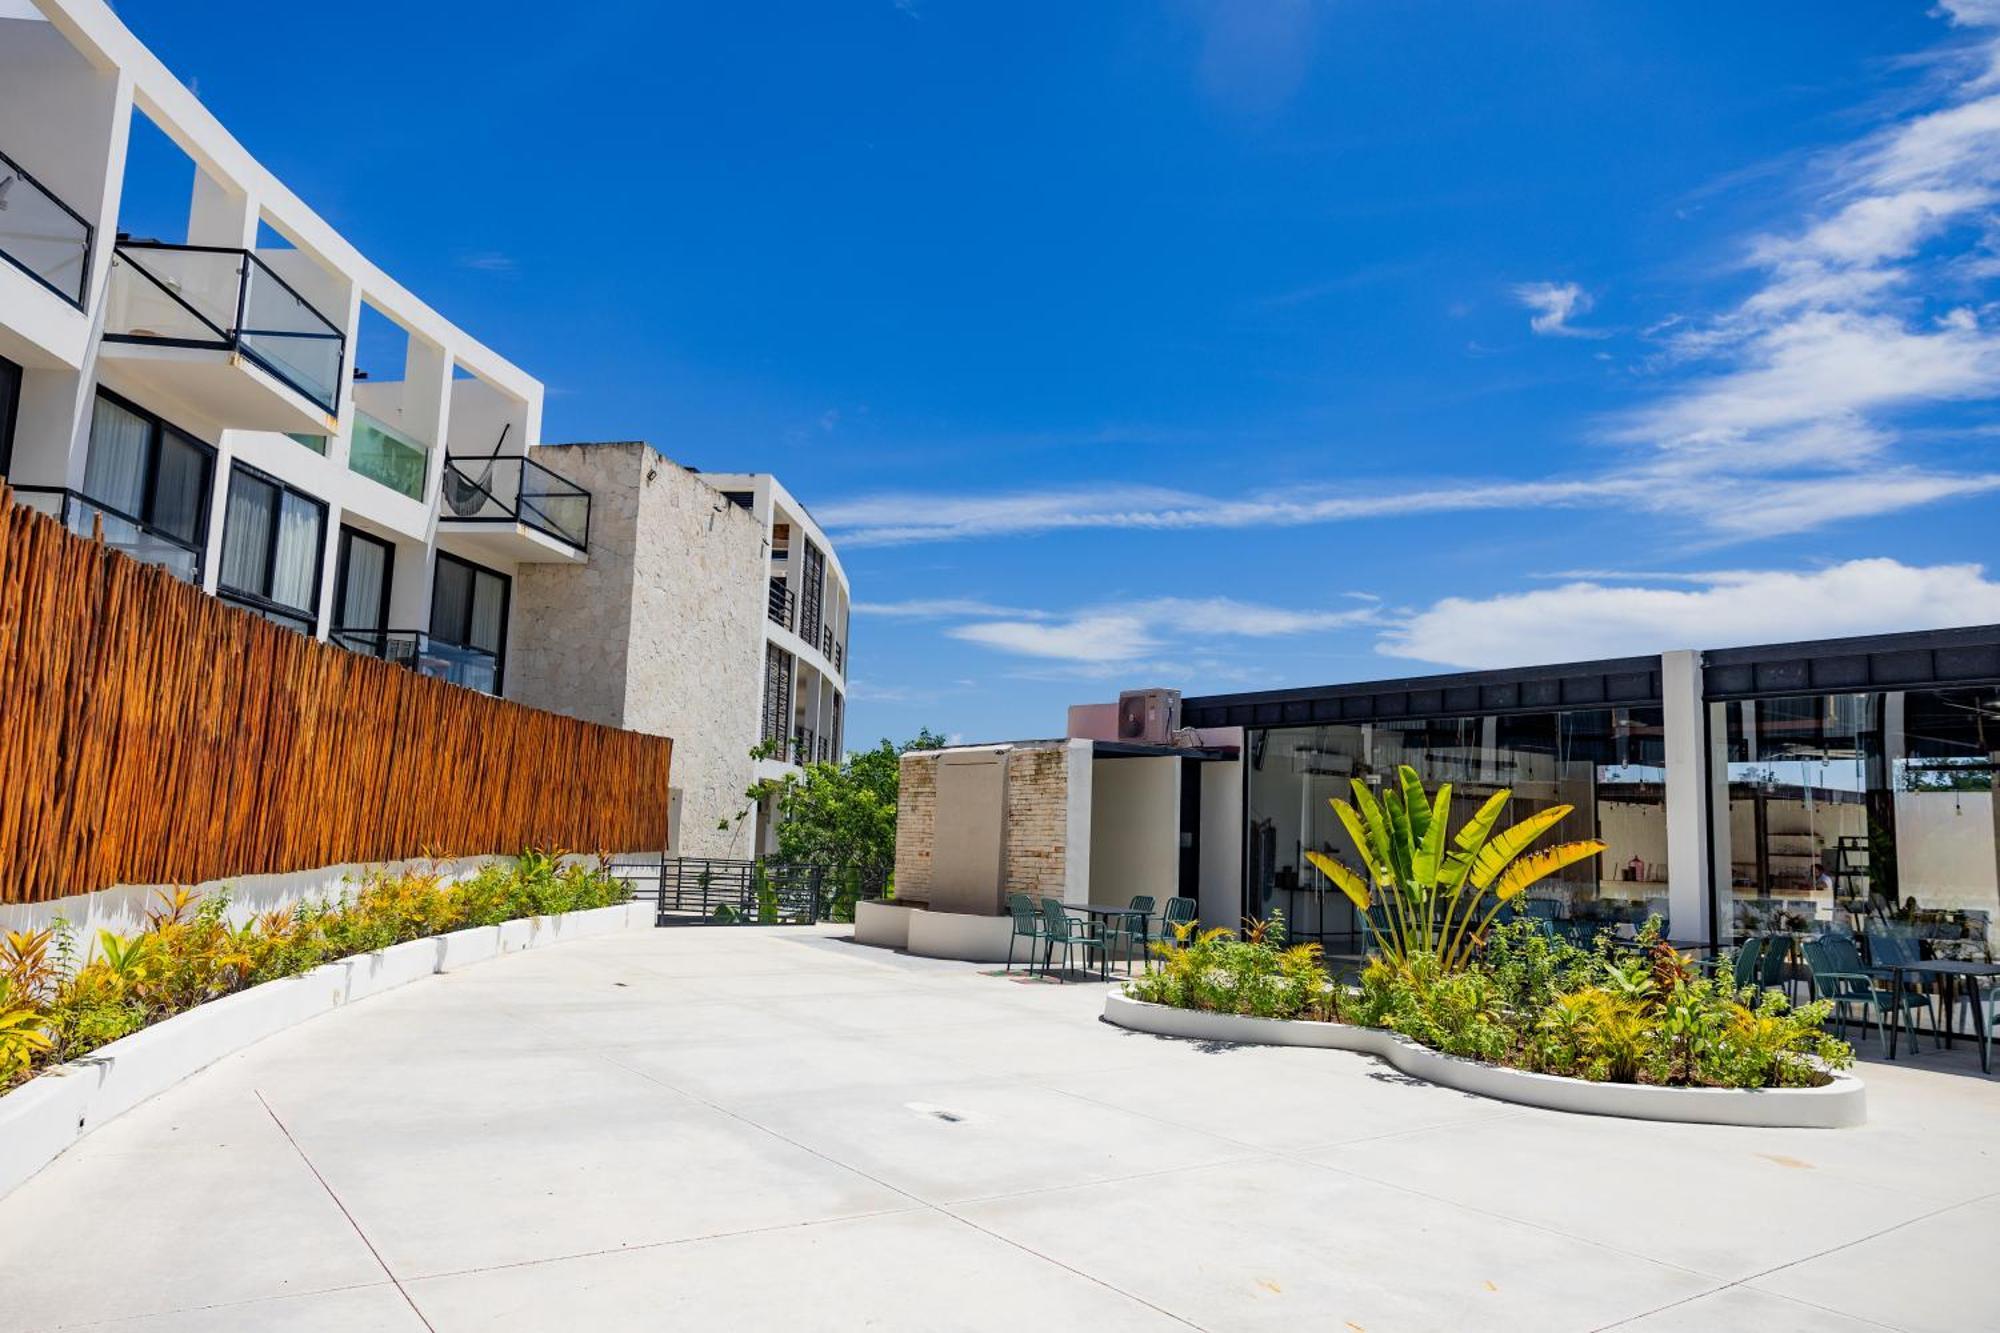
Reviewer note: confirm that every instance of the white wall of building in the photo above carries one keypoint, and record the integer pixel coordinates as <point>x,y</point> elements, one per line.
<point>1135,820</point>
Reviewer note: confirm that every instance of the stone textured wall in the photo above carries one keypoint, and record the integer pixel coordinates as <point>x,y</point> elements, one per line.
<point>1037,843</point>
<point>916,824</point>
<point>1037,821</point>
<point>669,609</point>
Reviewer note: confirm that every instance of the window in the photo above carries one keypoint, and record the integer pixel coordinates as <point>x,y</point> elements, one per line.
<point>469,610</point>
<point>272,541</point>
<point>10,403</point>
<point>148,472</point>
<point>361,581</point>
<point>812,591</point>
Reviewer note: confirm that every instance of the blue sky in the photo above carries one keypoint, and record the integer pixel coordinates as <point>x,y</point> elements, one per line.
<point>1219,345</point>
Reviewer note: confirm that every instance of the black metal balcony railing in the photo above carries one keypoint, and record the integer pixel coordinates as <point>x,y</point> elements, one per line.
<point>210,296</point>
<point>508,488</point>
<point>779,607</point>
<point>832,649</point>
<point>122,532</point>
<point>43,236</point>
<point>474,668</point>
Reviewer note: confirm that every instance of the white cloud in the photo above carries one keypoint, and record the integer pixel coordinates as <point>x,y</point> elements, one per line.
<point>1589,619</point>
<point>941,608</point>
<point>1125,633</point>
<point>1555,304</point>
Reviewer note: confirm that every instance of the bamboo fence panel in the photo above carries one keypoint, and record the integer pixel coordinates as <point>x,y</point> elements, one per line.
<point>150,734</point>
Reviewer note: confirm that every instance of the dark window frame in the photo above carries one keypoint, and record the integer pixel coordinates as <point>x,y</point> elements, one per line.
<point>11,415</point>
<point>262,601</point>
<point>506,614</point>
<point>149,501</point>
<point>348,535</point>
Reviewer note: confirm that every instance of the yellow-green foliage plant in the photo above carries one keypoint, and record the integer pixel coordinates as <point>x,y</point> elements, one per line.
<point>56,1006</point>
<point>1425,886</point>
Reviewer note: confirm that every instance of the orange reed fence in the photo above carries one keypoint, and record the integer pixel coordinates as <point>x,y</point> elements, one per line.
<point>152,734</point>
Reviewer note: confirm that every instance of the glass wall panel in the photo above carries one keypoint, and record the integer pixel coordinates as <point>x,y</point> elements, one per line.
<point>1864,811</point>
<point>1609,764</point>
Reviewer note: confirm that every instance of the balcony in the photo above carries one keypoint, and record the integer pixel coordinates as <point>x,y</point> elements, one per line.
<point>779,607</point>
<point>219,331</point>
<point>833,649</point>
<point>383,454</point>
<point>43,236</point>
<point>474,668</point>
<point>514,508</point>
<point>121,531</point>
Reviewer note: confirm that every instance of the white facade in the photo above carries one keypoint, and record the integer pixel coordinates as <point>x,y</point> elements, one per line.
<point>197,396</point>
<point>807,603</point>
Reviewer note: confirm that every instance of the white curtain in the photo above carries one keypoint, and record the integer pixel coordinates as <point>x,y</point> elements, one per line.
<point>361,602</point>
<point>180,489</point>
<point>294,579</point>
<point>115,472</point>
<point>246,533</point>
<point>489,605</point>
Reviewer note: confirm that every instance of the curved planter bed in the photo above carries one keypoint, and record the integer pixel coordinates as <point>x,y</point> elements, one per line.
<point>1840,1104</point>
<point>56,1108</point>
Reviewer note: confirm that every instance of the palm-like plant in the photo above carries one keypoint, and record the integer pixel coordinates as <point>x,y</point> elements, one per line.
<point>1429,883</point>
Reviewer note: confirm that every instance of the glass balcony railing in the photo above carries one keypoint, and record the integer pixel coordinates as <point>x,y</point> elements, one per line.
<point>511,489</point>
<point>43,236</point>
<point>382,453</point>
<point>206,296</point>
<point>474,668</point>
<point>122,532</point>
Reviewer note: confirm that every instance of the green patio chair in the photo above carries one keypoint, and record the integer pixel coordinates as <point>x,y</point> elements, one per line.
<point>1028,926</point>
<point>1128,936</point>
<point>1176,912</point>
<point>1873,995</point>
<point>1771,963</point>
<point>1073,933</point>
<point>1740,962</point>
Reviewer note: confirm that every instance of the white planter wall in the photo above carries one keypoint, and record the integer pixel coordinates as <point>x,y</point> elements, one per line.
<point>1841,1104</point>
<point>969,938</point>
<point>884,925</point>
<point>44,1116</point>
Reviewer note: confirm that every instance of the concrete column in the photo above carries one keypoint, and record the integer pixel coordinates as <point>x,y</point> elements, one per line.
<point>1687,795</point>
<point>1076,856</point>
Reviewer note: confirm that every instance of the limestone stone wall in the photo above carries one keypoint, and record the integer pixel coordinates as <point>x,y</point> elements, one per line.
<point>916,824</point>
<point>1037,821</point>
<point>664,625</point>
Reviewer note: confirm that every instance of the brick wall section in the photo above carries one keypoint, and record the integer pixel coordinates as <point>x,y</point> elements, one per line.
<point>1037,844</point>
<point>916,825</point>
<point>1037,821</point>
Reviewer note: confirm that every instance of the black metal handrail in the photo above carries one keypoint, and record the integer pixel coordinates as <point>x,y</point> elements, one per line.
<point>779,604</point>
<point>122,532</point>
<point>771,892</point>
<point>232,315</point>
<point>513,488</point>
<point>460,664</point>
<point>69,245</point>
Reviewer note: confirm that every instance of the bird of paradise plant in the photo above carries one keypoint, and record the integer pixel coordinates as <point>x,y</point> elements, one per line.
<point>1429,884</point>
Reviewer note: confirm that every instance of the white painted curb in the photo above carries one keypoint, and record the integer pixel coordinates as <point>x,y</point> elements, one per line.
<point>885,925</point>
<point>43,1116</point>
<point>1841,1104</point>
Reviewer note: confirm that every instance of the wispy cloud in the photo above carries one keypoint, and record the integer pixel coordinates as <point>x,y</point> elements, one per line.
<point>944,608</point>
<point>1555,304</point>
<point>488,261</point>
<point>1592,618</point>
<point>1127,633</point>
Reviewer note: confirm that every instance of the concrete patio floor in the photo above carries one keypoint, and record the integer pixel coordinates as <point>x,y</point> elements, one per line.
<point>777,1129</point>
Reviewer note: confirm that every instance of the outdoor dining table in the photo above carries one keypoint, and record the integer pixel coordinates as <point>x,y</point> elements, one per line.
<point>1947,971</point>
<point>1105,912</point>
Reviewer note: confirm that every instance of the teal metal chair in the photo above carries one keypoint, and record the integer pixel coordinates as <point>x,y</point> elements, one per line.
<point>1741,962</point>
<point>1771,963</point>
<point>1073,933</point>
<point>1176,912</point>
<point>1128,936</point>
<point>1837,976</point>
<point>1027,926</point>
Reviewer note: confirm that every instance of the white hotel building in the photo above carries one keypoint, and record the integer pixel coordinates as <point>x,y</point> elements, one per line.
<point>195,397</point>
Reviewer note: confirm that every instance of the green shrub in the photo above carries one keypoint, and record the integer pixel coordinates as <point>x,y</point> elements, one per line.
<point>1213,970</point>
<point>58,1002</point>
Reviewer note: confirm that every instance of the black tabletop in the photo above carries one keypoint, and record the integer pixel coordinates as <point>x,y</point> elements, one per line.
<point>1953,967</point>
<point>1105,909</point>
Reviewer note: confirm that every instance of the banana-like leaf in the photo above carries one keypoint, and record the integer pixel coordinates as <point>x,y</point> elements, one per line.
<point>1415,803</point>
<point>1378,827</point>
<point>1402,842</point>
<point>1430,852</point>
<point>1476,828</point>
<point>1539,865</point>
<point>1343,879</point>
<point>1504,847</point>
<point>1350,819</point>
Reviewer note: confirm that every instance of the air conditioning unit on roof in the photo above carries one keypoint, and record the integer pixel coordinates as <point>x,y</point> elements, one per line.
<point>1149,717</point>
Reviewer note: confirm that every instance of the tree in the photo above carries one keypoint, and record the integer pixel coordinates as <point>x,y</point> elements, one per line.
<point>840,814</point>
